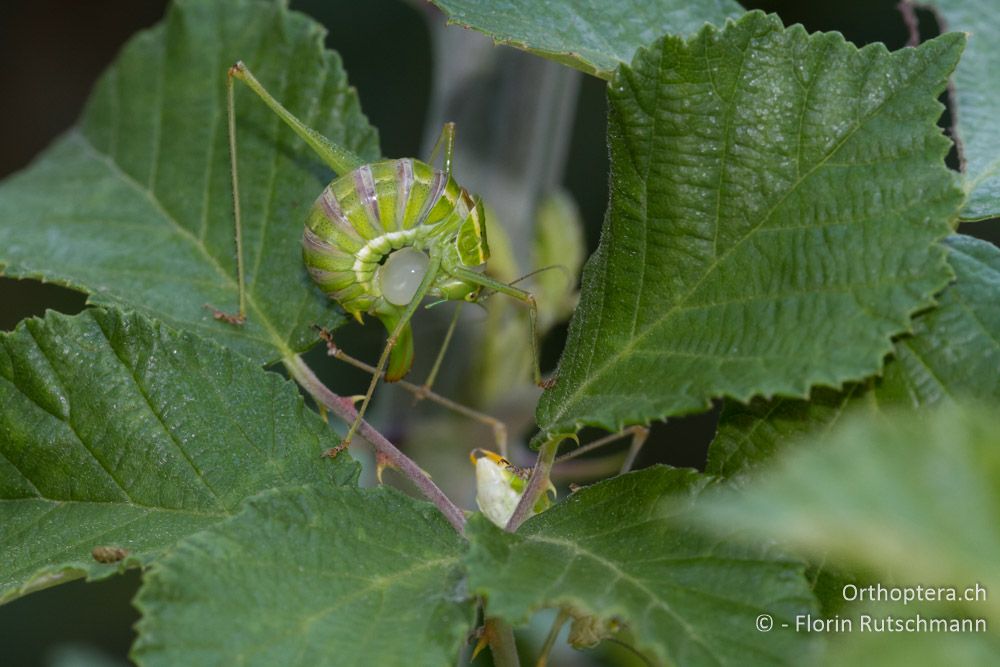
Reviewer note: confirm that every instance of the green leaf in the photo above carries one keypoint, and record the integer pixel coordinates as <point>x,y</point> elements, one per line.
<point>621,550</point>
<point>592,36</point>
<point>118,432</point>
<point>913,495</point>
<point>912,649</point>
<point>311,576</point>
<point>776,198</point>
<point>954,351</point>
<point>134,206</point>
<point>977,99</point>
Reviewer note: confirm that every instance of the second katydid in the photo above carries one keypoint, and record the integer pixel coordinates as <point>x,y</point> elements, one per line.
<point>382,236</point>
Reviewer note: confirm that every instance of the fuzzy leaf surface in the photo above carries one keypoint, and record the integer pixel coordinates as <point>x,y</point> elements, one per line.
<point>953,352</point>
<point>116,431</point>
<point>776,202</point>
<point>977,98</point>
<point>621,550</point>
<point>592,36</point>
<point>311,576</point>
<point>134,205</point>
<point>915,496</point>
<point>912,649</point>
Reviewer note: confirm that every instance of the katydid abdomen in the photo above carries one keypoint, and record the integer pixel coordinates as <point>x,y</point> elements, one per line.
<point>369,236</point>
<point>380,237</point>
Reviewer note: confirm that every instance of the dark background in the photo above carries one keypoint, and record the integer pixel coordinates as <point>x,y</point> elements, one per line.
<point>52,51</point>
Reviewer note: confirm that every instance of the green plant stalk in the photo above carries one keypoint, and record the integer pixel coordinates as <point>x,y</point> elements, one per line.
<point>344,408</point>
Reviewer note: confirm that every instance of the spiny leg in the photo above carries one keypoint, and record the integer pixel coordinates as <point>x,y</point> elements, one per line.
<point>521,295</point>
<point>338,158</point>
<point>425,286</point>
<point>424,392</point>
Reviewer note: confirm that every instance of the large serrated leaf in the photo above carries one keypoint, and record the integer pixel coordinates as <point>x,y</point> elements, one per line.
<point>592,36</point>
<point>620,551</point>
<point>977,99</point>
<point>954,352</point>
<point>311,576</point>
<point>776,198</point>
<point>135,205</point>
<point>118,432</point>
<point>912,496</point>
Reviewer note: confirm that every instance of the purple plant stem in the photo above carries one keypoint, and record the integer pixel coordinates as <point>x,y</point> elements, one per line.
<point>909,13</point>
<point>344,408</point>
<point>536,485</point>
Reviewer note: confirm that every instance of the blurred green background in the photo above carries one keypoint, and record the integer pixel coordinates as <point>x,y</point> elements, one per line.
<point>53,50</point>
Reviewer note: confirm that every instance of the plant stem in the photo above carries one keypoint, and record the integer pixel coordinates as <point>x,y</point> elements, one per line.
<point>537,485</point>
<point>344,408</point>
<point>909,13</point>
<point>502,644</point>
<point>560,620</point>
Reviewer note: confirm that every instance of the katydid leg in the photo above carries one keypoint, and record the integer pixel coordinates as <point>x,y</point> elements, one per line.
<point>521,295</point>
<point>638,433</point>
<point>424,392</point>
<point>241,315</point>
<point>447,142</point>
<point>338,158</point>
<point>432,376</point>
<point>425,285</point>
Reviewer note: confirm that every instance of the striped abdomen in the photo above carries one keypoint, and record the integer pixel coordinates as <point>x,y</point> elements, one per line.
<point>362,217</point>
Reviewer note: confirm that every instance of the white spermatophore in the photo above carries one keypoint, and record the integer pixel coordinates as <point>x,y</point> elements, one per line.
<point>401,275</point>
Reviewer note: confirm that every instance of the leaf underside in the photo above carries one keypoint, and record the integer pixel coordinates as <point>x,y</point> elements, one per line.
<point>953,353</point>
<point>134,206</point>
<point>776,202</point>
<point>116,431</point>
<point>977,97</point>
<point>620,550</point>
<point>297,579</point>
<point>592,36</point>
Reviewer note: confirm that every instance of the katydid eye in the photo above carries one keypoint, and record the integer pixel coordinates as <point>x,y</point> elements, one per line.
<point>402,274</point>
